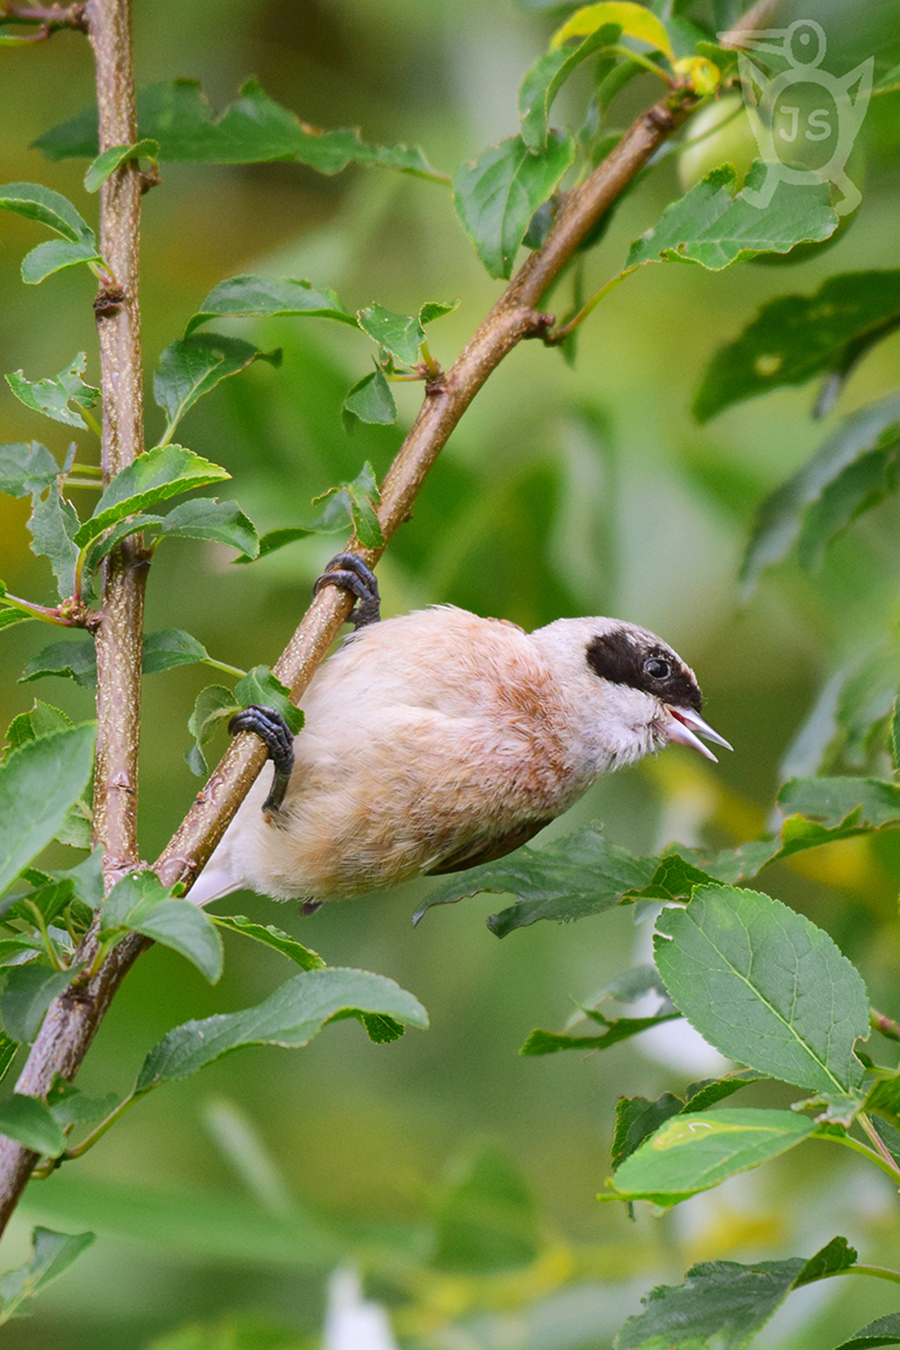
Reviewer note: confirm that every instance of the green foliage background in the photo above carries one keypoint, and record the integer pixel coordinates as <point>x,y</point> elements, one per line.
<point>564,491</point>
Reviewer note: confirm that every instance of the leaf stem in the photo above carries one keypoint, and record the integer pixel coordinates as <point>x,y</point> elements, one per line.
<point>640,60</point>
<point>41,925</point>
<point>559,334</point>
<point>858,1147</point>
<point>100,1130</point>
<point>886,1025</point>
<point>43,612</point>
<point>220,665</point>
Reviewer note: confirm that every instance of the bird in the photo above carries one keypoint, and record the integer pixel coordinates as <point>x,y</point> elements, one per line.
<point>438,740</point>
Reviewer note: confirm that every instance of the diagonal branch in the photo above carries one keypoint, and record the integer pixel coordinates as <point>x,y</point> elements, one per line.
<point>74,1017</point>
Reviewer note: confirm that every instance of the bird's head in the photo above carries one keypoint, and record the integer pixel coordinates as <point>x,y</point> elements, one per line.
<point>631,694</point>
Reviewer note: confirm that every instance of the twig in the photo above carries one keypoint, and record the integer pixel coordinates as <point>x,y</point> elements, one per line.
<point>75,1015</point>
<point>50,17</point>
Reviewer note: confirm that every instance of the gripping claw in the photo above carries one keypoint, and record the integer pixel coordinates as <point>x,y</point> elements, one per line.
<point>275,734</point>
<point>351,574</point>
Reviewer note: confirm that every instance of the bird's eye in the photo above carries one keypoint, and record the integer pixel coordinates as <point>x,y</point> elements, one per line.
<point>657,668</point>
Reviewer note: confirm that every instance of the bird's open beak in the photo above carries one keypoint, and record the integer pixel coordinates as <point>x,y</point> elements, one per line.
<point>686,727</point>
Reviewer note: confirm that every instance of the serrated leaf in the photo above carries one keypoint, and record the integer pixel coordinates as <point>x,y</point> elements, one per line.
<point>778,523</point>
<point>700,1096</point>
<point>26,468</point>
<point>276,539</point>
<point>713,226</point>
<point>259,685</point>
<point>27,994</point>
<point>721,1304</point>
<point>111,159</point>
<point>193,366</point>
<point>547,76</point>
<point>795,337</point>
<point>496,195</point>
<point>883,1331</point>
<point>634,20</point>
<point>75,660</point>
<point>290,1017</point>
<point>252,296</point>
<point>55,255</point>
<point>568,879</point>
<point>637,1118</point>
<point>765,986</point>
<point>833,800</point>
<point>401,334</point>
<point>170,647</point>
<point>28,1121</point>
<point>692,1153</point>
<point>620,1029</point>
<point>163,472</point>
<point>436,309</point>
<point>53,1254</point>
<point>251,130</point>
<point>371,401</point>
<point>70,1106</point>
<point>54,527</point>
<point>54,395</point>
<point>382,1030</point>
<point>140,903</point>
<point>208,518</point>
<point>360,498</point>
<point>39,781</point>
<point>41,720</point>
<point>212,706</point>
<point>270,937</point>
<point>48,208</point>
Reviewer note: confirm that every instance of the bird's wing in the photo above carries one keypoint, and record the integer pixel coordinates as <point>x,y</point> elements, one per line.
<point>486,847</point>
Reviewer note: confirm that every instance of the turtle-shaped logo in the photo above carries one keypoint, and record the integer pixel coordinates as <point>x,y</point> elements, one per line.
<point>826,112</point>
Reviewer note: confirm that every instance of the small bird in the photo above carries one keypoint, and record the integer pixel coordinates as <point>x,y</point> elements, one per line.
<point>439,740</point>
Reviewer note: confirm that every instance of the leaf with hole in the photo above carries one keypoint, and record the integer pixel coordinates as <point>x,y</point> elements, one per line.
<point>55,395</point>
<point>496,195</point>
<point>252,296</point>
<point>765,986</point>
<point>290,1017</point>
<point>140,903</point>
<point>193,366</point>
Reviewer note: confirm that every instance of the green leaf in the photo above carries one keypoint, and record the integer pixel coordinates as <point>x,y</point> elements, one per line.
<point>111,159</point>
<point>259,685</point>
<point>208,518</point>
<point>833,800</point>
<point>401,334</point>
<point>8,1050</point>
<point>54,256</point>
<point>28,1121</point>
<point>545,79</point>
<point>637,1118</point>
<point>857,489</point>
<point>39,781</point>
<point>42,720</point>
<point>361,498</point>
<point>140,903</point>
<point>8,617</point>
<point>191,367</point>
<point>252,130</point>
<point>714,227</point>
<point>765,986</point>
<point>486,1219</point>
<point>496,196</point>
<point>276,539</point>
<point>270,937</point>
<point>883,1331</point>
<point>53,396</point>
<point>568,879</point>
<point>213,705</point>
<point>48,208</point>
<point>53,1254</point>
<point>74,660</point>
<point>895,734</point>
<point>54,527</point>
<point>170,647</point>
<point>721,1304</point>
<point>70,1106</point>
<point>692,1153</point>
<point>27,994</point>
<point>700,1096</point>
<point>371,401</point>
<point>436,309</point>
<point>164,472</point>
<point>796,337</point>
<point>290,1017</point>
<point>254,296</point>
<point>876,427</point>
<point>26,468</point>
<point>620,1029</point>
<point>634,20</point>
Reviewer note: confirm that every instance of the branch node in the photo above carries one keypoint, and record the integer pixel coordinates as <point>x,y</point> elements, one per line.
<point>108,301</point>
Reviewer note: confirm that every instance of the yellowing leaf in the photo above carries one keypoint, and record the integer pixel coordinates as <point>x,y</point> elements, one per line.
<point>634,20</point>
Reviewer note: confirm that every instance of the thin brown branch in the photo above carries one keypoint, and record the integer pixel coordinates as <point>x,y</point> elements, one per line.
<point>50,17</point>
<point>74,1017</point>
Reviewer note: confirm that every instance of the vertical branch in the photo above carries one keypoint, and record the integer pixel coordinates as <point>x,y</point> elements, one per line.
<point>119,334</point>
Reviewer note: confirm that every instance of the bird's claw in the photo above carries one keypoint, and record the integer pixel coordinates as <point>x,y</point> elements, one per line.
<point>350,573</point>
<point>271,728</point>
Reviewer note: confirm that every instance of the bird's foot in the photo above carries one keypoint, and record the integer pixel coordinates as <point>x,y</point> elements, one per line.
<point>310,906</point>
<point>275,734</point>
<point>351,574</point>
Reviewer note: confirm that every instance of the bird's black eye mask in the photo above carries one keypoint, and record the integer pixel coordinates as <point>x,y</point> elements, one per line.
<point>653,669</point>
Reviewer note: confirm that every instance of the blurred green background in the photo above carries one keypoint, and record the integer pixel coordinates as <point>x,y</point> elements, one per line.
<point>566,490</point>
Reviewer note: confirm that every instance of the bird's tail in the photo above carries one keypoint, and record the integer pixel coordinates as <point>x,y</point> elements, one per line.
<point>212,884</point>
